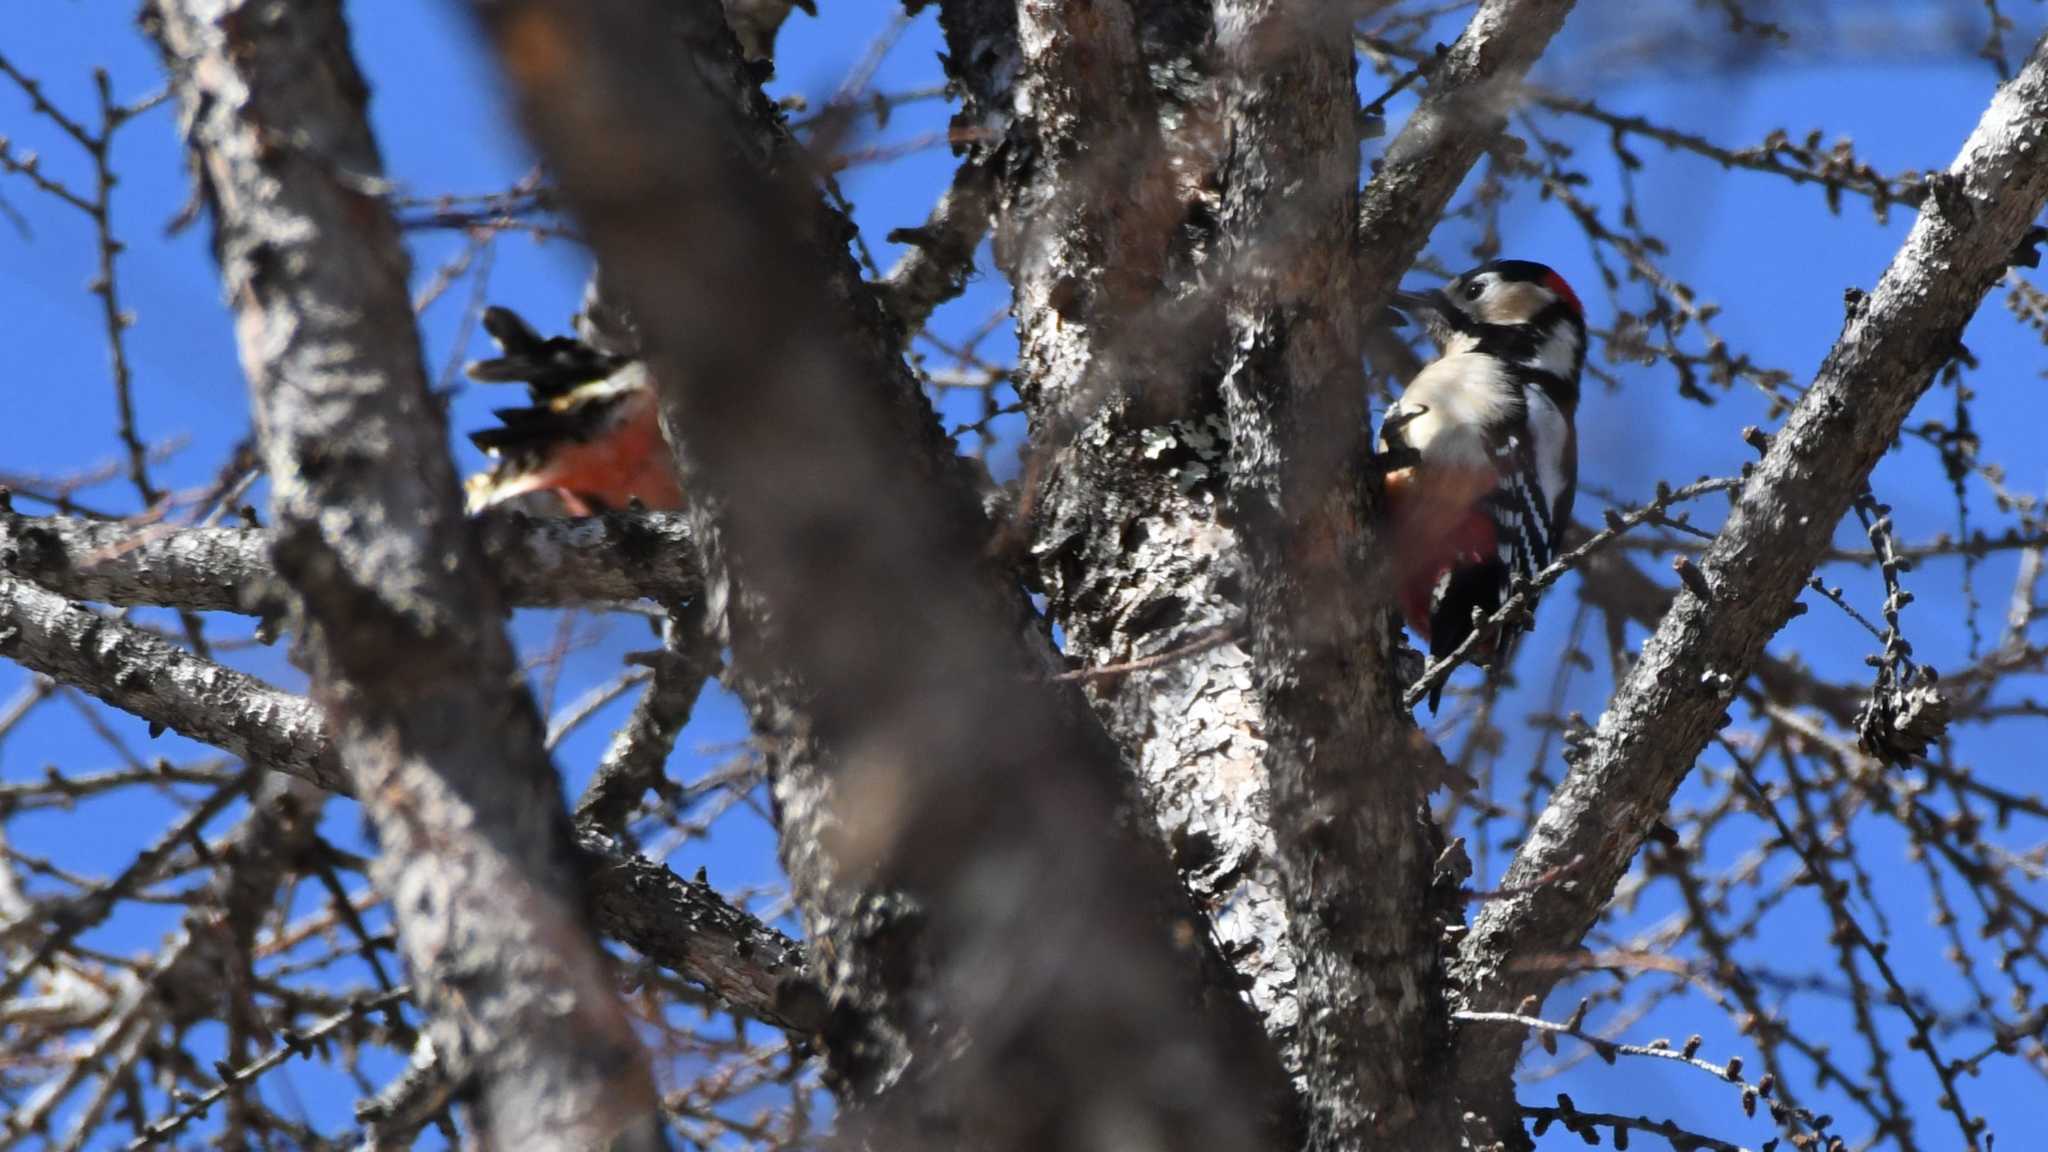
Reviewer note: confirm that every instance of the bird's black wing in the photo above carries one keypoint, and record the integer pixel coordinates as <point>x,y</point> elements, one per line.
<point>1524,528</point>
<point>550,367</point>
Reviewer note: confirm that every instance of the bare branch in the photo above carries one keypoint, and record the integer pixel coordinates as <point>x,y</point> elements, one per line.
<point>639,751</point>
<point>981,36</point>
<point>1471,91</point>
<point>1970,229</point>
<point>296,1043</point>
<point>685,927</point>
<point>165,685</point>
<point>941,255</point>
<point>615,558</point>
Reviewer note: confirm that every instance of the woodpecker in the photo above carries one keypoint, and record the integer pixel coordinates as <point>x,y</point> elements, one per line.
<point>1481,449</point>
<point>591,437</point>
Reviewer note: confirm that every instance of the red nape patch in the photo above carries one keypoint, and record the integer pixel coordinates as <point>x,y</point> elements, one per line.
<point>1556,284</point>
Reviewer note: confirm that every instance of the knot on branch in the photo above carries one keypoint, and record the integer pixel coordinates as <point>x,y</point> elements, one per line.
<point>1945,194</point>
<point>2028,253</point>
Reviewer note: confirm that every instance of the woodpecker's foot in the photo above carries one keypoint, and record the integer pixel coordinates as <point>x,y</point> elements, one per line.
<point>1398,462</point>
<point>1397,453</point>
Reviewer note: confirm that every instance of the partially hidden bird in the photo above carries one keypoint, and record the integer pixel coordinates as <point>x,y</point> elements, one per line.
<point>588,441</point>
<point>1481,449</point>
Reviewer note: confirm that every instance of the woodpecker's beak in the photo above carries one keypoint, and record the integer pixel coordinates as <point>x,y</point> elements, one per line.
<point>1432,310</point>
<point>1421,306</point>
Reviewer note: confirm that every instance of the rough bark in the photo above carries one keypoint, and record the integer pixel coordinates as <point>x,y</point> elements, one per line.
<point>687,927</point>
<point>954,770</point>
<point>1357,850</point>
<point>616,558</point>
<point>1127,537</point>
<point>162,683</point>
<point>1973,224</point>
<point>1128,473</point>
<point>400,623</point>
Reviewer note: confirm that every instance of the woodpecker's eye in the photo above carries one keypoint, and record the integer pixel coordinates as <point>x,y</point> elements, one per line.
<point>1474,290</point>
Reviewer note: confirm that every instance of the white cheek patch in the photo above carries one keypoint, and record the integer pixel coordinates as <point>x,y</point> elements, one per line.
<point>1559,355</point>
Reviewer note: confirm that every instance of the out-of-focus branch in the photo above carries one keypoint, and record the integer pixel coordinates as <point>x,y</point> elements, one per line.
<point>392,1119</point>
<point>756,23</point>
<point>401,626</point>
<point>239,1078</point>
<point>614,558</point>
<point>858,932</point>
<point>1471,91</point>
<point>861,584</point>
<point>1974,223</point>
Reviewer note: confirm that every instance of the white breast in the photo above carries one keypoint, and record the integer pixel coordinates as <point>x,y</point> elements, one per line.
<point>1458,397</point>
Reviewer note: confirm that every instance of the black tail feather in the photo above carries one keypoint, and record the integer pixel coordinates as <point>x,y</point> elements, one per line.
<point>1473,588</point>
<point>549,367</point>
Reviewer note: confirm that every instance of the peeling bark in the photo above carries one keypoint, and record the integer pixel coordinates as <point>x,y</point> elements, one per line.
<point>401,625</point>
<point>1971,227</point>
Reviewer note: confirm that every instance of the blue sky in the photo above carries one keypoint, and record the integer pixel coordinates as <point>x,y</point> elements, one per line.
<point>1768,252</point>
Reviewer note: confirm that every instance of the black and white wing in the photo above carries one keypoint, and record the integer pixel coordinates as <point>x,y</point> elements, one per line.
<point>1532,504</point>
